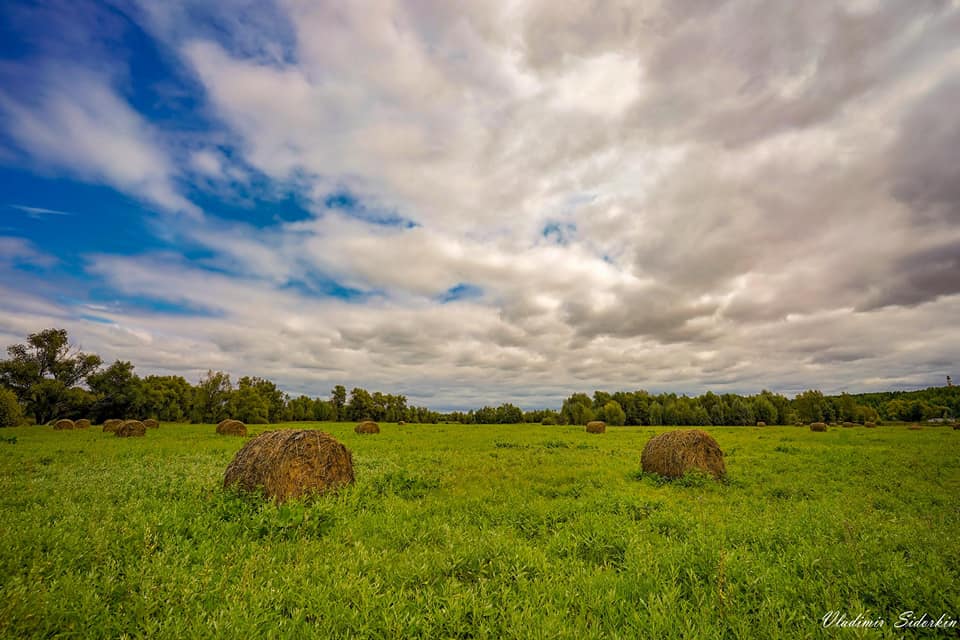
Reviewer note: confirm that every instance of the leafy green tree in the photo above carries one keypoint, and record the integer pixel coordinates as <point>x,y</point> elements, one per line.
<point>577,409</point>
<point>764,410</point>
<point>212,398</point>
<point>613,414</point>
<point>117,391</point>
<point>248,404</point>
<point>360,406</point>
<point>167,398</point>
<point>44,372</point>
<point>11,414</point>
<point>338,396</point>
<point>508,414</point>
<point>811,406</point>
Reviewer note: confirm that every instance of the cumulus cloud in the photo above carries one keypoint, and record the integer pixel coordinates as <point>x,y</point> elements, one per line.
<point>676,195</point>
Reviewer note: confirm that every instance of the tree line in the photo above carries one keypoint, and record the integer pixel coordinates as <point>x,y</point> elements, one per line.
<point>46,378</point>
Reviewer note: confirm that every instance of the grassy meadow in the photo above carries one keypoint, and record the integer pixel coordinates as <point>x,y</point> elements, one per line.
<point>480,532</point>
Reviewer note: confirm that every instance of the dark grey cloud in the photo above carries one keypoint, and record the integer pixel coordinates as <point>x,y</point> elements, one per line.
<point>925,168</point>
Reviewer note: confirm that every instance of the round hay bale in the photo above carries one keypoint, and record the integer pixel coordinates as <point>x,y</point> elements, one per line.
<point>83,423</point>
<point>401,423</point>
<point>914,427</point>
<point>596,426</point>
<point>131,429</point>
<point>673,453</point>
<point>111,425</point>
<point>818,426</point>
<point>290,464</point>
<point>150,423</point>
<point>761,423</point>
<point>847,424</point>
<point>956,427</point>
<point>367,426</point>
<point>62,425</point>
<point>231,428</point>
<point>870,425</point>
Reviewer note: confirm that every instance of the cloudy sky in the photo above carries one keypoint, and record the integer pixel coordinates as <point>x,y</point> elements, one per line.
<point>479,202</point>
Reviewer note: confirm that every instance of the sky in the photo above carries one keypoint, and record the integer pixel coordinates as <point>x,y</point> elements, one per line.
<point>479,202</point>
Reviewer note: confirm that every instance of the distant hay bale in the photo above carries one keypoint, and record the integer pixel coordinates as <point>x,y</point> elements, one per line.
<point>761,423</point>
<point>401,423</point>
<point>111,425</point>
<point>150,423</point>
<point>596,426</point>
<point>870,425</point>
<point>847,424</point>
<point>63,425</point>
<point>673,453</point>
<point>818,426</point>
<point>131,429</point>
<point>367,426</point>
<point>914,427</point>
<point>83,423</point>
<point>289,464</point>
<point>956,427</point>
<point>231,428</point>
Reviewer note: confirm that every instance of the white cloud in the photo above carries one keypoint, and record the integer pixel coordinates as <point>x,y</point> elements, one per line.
<point>639,194</point>
<point>78,124</point>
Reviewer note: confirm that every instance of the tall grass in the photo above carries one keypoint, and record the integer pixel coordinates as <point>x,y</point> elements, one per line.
<point>479,532</point>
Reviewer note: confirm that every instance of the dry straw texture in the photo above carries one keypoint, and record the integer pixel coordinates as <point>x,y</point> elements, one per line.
<point>870,425</point>
<point>111,425</point>
<point>674,453</point>
<point>367,426</point>
<point>761,424</point>
<point>290,464</point>
<point>131,429</point>
<point>848,424</point>
<point>596,426</point>
<point>61,425</point>
<point>81,424</point>
<point>401,423</point>
<point>150,423</point>
<point>818,426</point>
<point>231,428</point>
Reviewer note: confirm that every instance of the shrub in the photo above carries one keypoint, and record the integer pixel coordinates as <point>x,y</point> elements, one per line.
<point>10,413</point>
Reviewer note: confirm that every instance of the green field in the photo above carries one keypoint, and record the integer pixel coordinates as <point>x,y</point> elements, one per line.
<point>480,532</point>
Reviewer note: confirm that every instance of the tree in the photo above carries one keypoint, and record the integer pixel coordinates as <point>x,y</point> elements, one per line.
<point>248,404</point>
<point>11,414</point>
<point>613,414</point>
<point>338,396</point>
<point>212,398</point>
<point>46,355</point>
<point>117,391</point>
<point>577,409</point>
<point>44,372</point>
<point>166,398</point>
<point>360,406</point>
<point>811,406</point>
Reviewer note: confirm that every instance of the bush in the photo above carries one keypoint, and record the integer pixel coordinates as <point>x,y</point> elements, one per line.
<point>11,414</point>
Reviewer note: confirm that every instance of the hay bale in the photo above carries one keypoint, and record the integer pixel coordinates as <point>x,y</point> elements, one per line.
<point>401,423</point>
<point>956,427</point>
<point>111,425</point>
<point>914,427</point>
<point>83,423</point>
<point>62,425</point>
<point>847,424</point>
<point>870,425</point>
<point>761,423</point>
<point>150,423</point>
<point>673,453</point>
<point>596,426</point>
<point>818,426</point>
<point>367,426</point>
<point>290,464</point>
<point>131,429</point>
<point>231,428</point>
